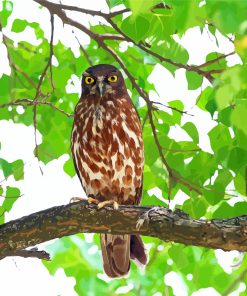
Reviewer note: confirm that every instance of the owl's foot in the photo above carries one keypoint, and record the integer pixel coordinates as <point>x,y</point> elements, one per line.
<point>145,217</point>
<point>108,202</point>
<point>90,200</point>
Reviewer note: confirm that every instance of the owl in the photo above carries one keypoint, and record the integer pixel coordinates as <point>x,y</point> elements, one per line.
<point>108,154</point>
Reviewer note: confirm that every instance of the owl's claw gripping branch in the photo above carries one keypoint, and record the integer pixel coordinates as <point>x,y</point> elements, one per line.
<point>145,218</point>
<point>90,200</point>
<point>108,202</point>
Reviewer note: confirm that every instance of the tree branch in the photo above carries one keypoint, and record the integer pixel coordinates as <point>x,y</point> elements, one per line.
<point>122,36</point>
<point>172,108</point>
<point>216,59</point>
<point>235,282</point>
<point>159,222</point>
<point>32,253</point>
<point>43,74</point>
<point>27,102</point>
<point>108,36</point>
<point>83,50</point>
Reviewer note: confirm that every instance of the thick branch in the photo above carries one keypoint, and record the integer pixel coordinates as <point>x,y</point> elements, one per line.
<point>162,223</point>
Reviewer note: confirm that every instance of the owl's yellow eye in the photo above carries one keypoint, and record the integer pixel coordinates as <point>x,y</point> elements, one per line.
<point>89,80</point>
<point>112,78</point>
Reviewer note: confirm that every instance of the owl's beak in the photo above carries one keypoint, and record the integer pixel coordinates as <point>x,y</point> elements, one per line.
<point>100,87</point>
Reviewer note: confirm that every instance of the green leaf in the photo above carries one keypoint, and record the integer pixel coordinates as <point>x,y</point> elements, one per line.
<point>205,96</point>
<point>19,25</point>
<point>191,130</point>
<point>136,27</point>
<point>176,114</point>
<point>196,208</point>
<point>112,3</point>
<point>12,195</point>
<point>219,65</point>
<point>225,115</point>
<point>224,211</point>
<point>151,201</point>
<point>6,12</point>
<point>141,6</point>
<point>239,115</point>
<point>237,158</point>
<point>151,152</point>
<point>240,181</point>
<point>223,15</point>
<point>5,88</point>
<point>194,80</point>
<point>229,87</point>
<point>15,168</point>
<point>178,256</point>
<point>69,168</point>
<point>220,138</point>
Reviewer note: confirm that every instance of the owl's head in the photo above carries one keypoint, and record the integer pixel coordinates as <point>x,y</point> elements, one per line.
<point>101,80</point>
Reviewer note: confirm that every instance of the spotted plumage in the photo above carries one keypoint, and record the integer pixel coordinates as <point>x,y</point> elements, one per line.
<point>108,153</point>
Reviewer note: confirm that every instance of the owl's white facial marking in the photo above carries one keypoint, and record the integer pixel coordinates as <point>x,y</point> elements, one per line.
<point>100,78</point>
<point>102,87</point>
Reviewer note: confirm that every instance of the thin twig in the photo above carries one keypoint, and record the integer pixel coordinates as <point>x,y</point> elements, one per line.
<point>15,66</point>
<point>181,150</point>
<point>216,60</point>
<point>32,253</point>
<point>24,74</point>
<point>39,87</point>
<point>235,282</point>
<point>56,108</point>
<point>83,50</point>
<point>144,120</point>
<point>17,196</point>
<point>28,102</point>
<point>172,108</point>
<point>51,51</point>
<point>108,36</point>
<point>108,17</point>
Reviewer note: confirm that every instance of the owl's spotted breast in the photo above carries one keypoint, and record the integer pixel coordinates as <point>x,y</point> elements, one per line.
<point>108,149</point>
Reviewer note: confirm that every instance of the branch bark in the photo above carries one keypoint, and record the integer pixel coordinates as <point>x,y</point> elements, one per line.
<point>32,253</point>
<point>159,222</point>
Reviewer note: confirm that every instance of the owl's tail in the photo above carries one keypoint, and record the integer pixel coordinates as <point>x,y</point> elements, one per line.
<point>117,251</point>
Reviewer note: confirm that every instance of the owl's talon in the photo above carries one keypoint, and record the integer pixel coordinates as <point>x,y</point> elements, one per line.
<point>108,202</point>
<point>145,218</point>
<point>115,205</point>
<point>139,223</point>
<point>93,201</point>
<point>90,200</point>
<point>76,199</point>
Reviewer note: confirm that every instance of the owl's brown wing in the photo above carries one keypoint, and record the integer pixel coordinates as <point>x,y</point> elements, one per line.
<point>77,172</point>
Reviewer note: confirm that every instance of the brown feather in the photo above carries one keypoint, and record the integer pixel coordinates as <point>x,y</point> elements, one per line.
<point>116,254</point>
